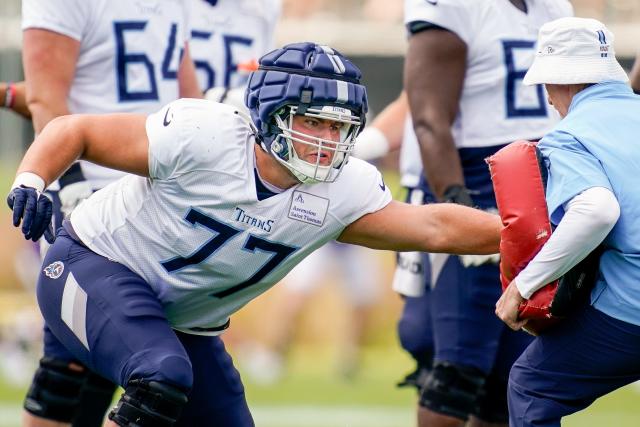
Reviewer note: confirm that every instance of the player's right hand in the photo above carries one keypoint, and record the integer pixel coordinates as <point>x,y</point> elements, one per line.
<point>34,210</point>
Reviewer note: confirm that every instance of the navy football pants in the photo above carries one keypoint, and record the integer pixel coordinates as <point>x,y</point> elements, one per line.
<point>100,313</point>
<point>566,369</point>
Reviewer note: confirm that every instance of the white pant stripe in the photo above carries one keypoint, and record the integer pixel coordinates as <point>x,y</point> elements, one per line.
<point>437,261</point>
<point>74,309</point>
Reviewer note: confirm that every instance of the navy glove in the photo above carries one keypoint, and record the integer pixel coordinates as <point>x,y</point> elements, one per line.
<point>35,211</point>
<point>459,194</point>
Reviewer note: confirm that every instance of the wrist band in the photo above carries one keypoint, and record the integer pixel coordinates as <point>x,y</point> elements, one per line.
<point>10,95</point>
<point>29,179</point>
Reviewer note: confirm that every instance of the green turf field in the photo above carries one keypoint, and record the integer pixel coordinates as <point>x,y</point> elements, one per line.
<point>311,395</point>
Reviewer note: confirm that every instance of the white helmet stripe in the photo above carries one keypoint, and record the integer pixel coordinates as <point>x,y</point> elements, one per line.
<point>343,91</point>
<point>326,49</point>
<point>338,65</point>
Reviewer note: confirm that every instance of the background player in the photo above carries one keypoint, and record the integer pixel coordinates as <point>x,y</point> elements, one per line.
<point>12,96</point>
<point>98,56</point>
<point>228,35</point>
<point>358,273</point>
<point>463,76</point>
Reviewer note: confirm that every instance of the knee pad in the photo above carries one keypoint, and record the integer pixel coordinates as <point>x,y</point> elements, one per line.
<point>55,390</point>
<point>94,401</point>
<point>452,390</point>
<point>148,404</point>
<point>418,378</point>
<point>492,404</point>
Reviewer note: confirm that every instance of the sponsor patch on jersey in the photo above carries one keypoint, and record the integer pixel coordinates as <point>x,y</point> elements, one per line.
<point>308,208</point>
<point>54,270</point>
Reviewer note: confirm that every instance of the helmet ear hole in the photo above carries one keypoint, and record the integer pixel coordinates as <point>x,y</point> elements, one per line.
<point>276,147</point>
<point>305,78</point>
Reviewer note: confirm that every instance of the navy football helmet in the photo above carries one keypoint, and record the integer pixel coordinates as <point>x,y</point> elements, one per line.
<point>306,79</point>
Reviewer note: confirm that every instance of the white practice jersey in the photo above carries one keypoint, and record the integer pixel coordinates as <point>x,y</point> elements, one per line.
<point>196,231</point>
<point>495,107</point>
<point>226,33</point>
<point>128,60</point>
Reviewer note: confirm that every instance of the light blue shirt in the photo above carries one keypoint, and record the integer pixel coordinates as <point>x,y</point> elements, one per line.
<point>598,145</point>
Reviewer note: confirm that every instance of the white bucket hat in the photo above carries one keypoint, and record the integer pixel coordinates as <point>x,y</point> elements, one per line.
<point>574,51</point>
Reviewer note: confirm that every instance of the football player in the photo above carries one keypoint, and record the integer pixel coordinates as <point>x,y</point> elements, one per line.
<point>463,75</point>
<point>12,97</point>
<point>227,36</point>
<point>97,56</point>
<point>147,271</point>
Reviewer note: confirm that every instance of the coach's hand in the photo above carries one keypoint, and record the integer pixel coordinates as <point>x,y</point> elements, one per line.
<point>34,210</point>
<point>507,307</point>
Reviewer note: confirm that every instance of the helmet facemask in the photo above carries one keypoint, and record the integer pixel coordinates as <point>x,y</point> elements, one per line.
<point>283,148</point>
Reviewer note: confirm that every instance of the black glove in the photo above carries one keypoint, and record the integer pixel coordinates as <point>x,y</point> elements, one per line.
<point>35,211</point>
<point>459,194</point>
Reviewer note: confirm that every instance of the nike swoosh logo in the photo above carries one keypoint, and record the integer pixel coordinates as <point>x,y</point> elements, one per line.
<point>166,122</point>
<point>382,185</point>
<point>433,2</point>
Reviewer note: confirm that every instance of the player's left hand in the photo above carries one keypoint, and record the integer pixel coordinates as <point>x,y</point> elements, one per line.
<point>507,307</point>
<point>34,210</point>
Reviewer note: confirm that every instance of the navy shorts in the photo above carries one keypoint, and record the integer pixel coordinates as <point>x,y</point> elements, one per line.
<point>105,316</point>
<point>467,332</point>
<point>462,302</point>
<point>460,308</point>
<point>565,369</point>
<point>415,330</point>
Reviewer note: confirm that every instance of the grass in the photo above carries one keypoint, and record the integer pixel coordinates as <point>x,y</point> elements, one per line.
<point>311,395</point>
<point>317,382</point>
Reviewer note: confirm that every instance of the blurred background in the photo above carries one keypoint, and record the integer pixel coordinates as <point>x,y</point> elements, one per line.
<point>319,379</point>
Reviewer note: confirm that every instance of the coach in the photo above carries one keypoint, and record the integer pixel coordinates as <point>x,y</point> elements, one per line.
<point>593,162</point>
